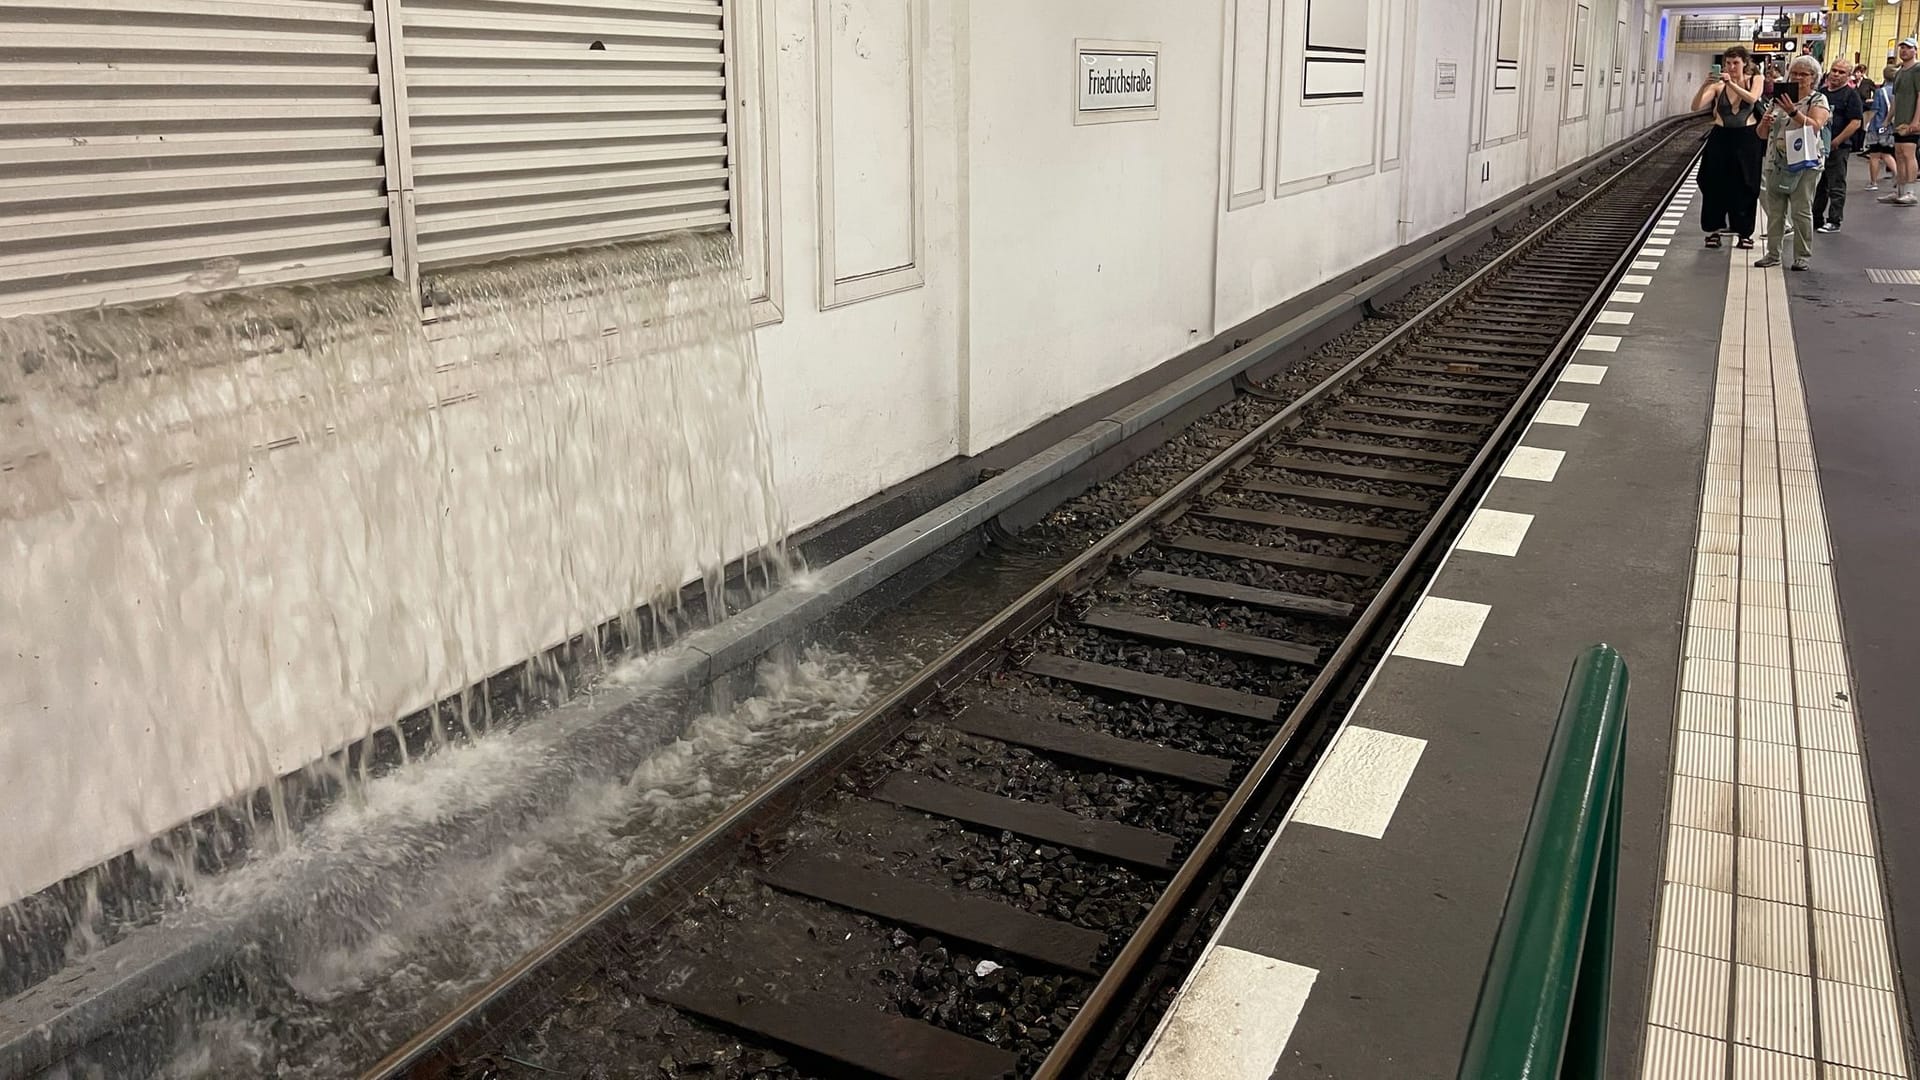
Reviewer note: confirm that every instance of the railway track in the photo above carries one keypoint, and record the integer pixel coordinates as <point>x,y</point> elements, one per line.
<point>995,870</point>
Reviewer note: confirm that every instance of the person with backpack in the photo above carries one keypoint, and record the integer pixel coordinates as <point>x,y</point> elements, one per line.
<point>1795,132</point>
<point>1879,130</point>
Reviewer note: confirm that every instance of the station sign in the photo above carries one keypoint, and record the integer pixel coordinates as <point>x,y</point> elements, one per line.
<point>1844,7</point>
<point>1116,80</point>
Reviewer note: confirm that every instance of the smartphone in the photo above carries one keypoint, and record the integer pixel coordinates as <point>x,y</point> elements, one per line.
<point>1783,88</point>
<point>1716,71</point>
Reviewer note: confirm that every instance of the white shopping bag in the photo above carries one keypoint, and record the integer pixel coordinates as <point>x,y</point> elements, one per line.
<point>1804,150</point>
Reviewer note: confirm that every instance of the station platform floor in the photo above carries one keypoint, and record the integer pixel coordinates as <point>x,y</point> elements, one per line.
<point>1724,485</point>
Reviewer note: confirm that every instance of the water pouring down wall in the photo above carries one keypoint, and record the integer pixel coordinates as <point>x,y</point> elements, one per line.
<point>238,533</point>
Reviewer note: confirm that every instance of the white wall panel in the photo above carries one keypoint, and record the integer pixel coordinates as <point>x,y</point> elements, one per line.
<point>1329,107</point>
<point>1250,104</point>
<point>1395,95</point>
<point>1544,85</point>
<point>1329,170</point>
<point>1440,128</point>
<point>1579,64</point>
<point>1335,79</point>
<point>1509,36</point>
<point>1338,26</point>
<point>754,46</point>
<point>1498,72</point>
<point>1617,61</point>
<point>1090,247</point>
<point>868,62</point>
<point>1643,54</point>
<point>863,395</point>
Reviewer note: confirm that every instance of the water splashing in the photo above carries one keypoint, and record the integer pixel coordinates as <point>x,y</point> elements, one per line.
<point>239,533</point>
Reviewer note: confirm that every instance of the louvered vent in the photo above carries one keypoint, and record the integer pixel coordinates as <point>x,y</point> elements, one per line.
<point>151,146</point>
<point>543,124</point>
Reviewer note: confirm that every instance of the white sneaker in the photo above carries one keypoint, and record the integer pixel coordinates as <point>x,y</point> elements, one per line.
<point>1891,197</point>
<point>1873,187</point>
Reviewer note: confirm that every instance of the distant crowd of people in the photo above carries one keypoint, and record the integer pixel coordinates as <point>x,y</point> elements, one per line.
<point>1783,138</point>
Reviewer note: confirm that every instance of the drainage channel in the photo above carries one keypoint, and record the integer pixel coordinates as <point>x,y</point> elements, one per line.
<point>983,874</point>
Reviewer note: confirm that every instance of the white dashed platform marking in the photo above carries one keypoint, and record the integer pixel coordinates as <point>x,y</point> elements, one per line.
<point>1561,413</point>
<point>1231,1021</point>
<point>1533,463</point>
<point>1495,532</point>
<point>1358,785</point>
<point>1442,631</point>
<point>1621,296</point>
<point>1635,279</point>
<point>1614,318</point>
<point>1583,374</point>
<point>1600,343</point>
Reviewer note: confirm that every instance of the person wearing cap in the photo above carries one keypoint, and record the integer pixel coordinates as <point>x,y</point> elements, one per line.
<point>1906,125</point>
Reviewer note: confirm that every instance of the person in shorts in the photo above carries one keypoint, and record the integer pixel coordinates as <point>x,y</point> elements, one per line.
<point>1880,131</point>
<point>1906,125</point>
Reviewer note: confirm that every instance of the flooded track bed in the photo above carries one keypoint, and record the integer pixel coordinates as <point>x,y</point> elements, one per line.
<point>996,870</point>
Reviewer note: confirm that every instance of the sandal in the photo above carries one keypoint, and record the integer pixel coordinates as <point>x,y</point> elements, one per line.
<point>1713,239</point>
<point>1745,244</point>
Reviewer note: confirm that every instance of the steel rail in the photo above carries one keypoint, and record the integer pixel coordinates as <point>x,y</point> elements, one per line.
<point>682,871</point>
<point>1069,1051</point>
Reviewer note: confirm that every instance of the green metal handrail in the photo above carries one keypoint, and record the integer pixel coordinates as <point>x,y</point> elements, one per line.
<point>1543,1006</point>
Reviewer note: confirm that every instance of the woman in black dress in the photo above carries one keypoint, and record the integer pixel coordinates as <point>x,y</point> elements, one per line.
<point>1730,166</point>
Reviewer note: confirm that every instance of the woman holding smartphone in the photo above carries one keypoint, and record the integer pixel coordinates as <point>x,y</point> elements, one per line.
<point>1730,166</point>
<point>1801,112</point>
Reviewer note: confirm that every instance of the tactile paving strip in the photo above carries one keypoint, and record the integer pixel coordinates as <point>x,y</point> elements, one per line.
<point>1774,956</point>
